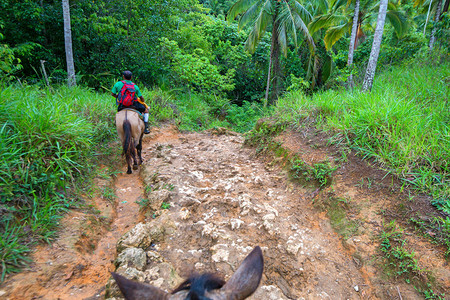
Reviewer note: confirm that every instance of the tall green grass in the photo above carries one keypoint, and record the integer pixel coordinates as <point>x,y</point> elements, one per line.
<point>49,140</point>
<point>404,122</point>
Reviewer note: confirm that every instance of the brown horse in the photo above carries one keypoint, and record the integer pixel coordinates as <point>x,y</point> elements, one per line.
<point>203,287</point>
<point>130,129</point>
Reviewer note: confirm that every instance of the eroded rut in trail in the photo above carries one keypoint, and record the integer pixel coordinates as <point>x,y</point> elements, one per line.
<point>78,264</point>
<point>209,202</point>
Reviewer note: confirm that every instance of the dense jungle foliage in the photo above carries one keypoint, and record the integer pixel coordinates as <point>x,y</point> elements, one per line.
<point>201,68</point>
<point>191,45</point>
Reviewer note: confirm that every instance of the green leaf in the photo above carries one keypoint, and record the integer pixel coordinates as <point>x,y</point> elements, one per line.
<point>333,34</point>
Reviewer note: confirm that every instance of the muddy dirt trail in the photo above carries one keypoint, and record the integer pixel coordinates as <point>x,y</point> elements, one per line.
<point>201,202</point>
<point>78,264</point>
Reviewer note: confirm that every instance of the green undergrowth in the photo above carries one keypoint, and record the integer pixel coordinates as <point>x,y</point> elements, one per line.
<point>403,123</point>
<point>196,112</point>
<point>50,142</point>
<point>321,172</point>
<point>262,137</point>
<point>437,229</point>
<point>400,262</point>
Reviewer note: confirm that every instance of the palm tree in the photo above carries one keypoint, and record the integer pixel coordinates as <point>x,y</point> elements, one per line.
<point>351,47</point>
<point>372,65</point>
<point>436,6</point>
<point>437,17</point>
<point>288,18</point>
<point>338,21</point>
<point>68,43</point>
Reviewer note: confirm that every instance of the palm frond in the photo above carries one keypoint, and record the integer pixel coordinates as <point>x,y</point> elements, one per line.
<point>333,34</point>
<point>259,28</point>
<point>287,20</point>
<point>418,2</point>
<point>318,23</point>
<point>398,21</point>
<point>282,39</point>
<point>304,14</point>
<point>239,7</point>
<point>392,6</point>
<point>290,24</point>
<point>326,21</point>
<point>301,25</point>
<point>313,69</point>
<point>327,68</point>
<point>251,14</point>
<point>322,6</point>
<point>339,3</point>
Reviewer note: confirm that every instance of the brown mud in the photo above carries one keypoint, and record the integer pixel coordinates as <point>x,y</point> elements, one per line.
<point>212,201</point>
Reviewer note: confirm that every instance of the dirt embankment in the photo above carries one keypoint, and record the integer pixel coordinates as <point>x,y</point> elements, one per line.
<point>209,201</point>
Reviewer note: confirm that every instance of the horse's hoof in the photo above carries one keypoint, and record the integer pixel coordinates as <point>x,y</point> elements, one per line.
<point>129,172</point>
<point>135,167</point>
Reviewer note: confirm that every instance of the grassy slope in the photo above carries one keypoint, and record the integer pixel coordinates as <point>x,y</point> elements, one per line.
<point>47,142</point>
<point>403,123</point>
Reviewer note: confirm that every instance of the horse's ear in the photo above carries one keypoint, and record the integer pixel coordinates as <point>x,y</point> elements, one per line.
<point>138,291</point>
<point>247,277</point>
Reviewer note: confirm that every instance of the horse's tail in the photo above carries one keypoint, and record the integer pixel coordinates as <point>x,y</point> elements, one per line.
<point>128,146</point>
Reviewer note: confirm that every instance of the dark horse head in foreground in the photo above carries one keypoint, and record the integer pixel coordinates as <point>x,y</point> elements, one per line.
<point>130,129</point>
<point>203,287</point>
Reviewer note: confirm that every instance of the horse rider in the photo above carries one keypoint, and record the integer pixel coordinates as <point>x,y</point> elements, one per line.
<point>128,95</point>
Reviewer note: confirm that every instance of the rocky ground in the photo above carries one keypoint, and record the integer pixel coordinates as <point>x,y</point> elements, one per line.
<point>202,201</point>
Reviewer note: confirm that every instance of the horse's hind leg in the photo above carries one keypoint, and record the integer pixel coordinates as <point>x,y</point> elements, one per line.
<point>139,151</point>
<point>135,165</point>
<point>128,157</point>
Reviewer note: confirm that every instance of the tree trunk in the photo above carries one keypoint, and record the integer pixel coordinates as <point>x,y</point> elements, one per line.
<point>436,20</point>
<point>274,62</point>
<point>351,47</point>
<point>272,46</point>
<point>372,65</point>
<point>276,71</point>
<point>447,3</point>
<point>68,42</point>
<point>428,16</point>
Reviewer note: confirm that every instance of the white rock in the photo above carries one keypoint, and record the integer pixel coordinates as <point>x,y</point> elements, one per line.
<point>236,223</point>
<point>269,292</point>
<point>158,282</point>
<point>292,248</point>
<point>269,217</point>
<point>220,255</point>
<point>132,257</point>
<point>138,237</point>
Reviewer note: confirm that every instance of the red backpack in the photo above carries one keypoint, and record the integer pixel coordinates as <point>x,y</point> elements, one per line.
<point>127,94</point>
